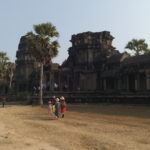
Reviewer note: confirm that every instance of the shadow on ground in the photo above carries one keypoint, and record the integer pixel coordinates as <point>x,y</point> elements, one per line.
<point>112,109</point>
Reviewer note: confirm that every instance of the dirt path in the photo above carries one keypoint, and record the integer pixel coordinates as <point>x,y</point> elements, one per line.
<point>85,127</point>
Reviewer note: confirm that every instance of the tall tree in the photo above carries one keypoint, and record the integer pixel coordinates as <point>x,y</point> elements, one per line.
<point>138,46</point>
<point>3,64</point>
<point>10,72</point>
<point>43,46</point>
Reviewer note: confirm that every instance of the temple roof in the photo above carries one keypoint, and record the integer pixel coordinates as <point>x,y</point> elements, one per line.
<point>140,59</point>
<point>54,66</point>
<point>118,58</point>
<point>103,34</point>
<point>23,43</point>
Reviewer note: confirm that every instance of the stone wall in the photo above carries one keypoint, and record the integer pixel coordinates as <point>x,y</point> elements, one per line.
<point>93,64</point>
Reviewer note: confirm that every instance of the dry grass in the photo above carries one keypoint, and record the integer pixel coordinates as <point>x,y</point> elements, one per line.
<point>85,127</point>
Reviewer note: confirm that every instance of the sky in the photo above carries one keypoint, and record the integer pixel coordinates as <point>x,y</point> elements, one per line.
<point>125,19</point>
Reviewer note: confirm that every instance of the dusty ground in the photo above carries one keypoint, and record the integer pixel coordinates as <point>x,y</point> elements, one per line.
<point>85,127</point>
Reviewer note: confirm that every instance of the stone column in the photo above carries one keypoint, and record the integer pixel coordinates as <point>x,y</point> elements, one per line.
<point>51,82</point>
<point>119,84</point>
<point>59,81</point>
<point>136,83</point>
<point>68,82</point>
<point>127,83</point>
<point>104,83</point>
<point>147,79</point>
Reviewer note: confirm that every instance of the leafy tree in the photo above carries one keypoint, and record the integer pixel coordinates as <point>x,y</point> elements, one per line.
<point>138,46</point>
<point>3,65</point>
<point>43,46</point>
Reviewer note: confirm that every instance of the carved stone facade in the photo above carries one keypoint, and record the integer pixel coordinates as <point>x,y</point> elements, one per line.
<point>93,64</point>
<point>88,58</point>
<point>97,66</point>
<point>25,65</point>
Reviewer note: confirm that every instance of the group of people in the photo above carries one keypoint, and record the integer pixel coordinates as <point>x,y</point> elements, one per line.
<point>57,107</point>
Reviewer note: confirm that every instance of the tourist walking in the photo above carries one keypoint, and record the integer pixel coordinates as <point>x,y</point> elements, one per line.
<point>53,104</point>
<point>57,108</point>
<point>53,100</point>
<point>50,109</point>
<point>34,90</point>
<point>62,106</point>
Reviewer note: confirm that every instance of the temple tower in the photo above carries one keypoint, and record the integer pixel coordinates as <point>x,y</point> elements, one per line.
<point>25,65</point>
<point>88,54</point>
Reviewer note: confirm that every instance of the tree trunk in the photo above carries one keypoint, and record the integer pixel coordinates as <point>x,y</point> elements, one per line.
<point>41,85</point>
<point>10,82</point>
<point>10,76</point>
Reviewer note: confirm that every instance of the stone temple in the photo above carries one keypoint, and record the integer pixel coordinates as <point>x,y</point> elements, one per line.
<point>93,65</point>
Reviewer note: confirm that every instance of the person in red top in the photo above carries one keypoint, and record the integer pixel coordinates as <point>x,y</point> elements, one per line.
<point>63,106</point>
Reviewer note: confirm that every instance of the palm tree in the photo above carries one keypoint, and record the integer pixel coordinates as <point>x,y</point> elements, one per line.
<point>138,46</point>
<point>43,47</point>
<point>3,64</point>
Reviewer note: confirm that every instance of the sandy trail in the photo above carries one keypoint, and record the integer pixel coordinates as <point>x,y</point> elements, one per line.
<point>85,127</point>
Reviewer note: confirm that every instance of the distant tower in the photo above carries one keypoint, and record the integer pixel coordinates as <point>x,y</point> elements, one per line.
<point>25,65</point>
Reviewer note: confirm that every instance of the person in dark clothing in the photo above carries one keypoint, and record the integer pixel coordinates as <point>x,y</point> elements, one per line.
<point>57,108</point>
<point>3,102</point>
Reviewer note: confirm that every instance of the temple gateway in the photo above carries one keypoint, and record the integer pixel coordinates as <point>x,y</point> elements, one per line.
<point>93,65</point>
